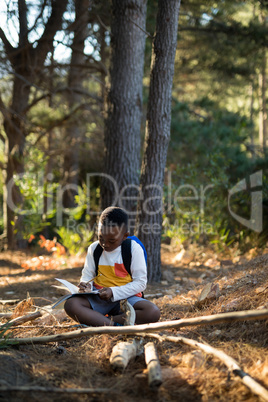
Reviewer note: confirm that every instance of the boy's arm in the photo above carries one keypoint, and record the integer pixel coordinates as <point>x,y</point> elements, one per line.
<point>89,270</point>
<point>138,272</point>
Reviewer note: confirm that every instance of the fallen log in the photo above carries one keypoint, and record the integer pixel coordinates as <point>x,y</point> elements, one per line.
<point>6,315</point>
<point>153,365</point>
<point>144,328</point>
<point>122,353</point>
<point>25,388</point>
<point>14,301</point>
<point>229,362</point>
<point>24,318</point>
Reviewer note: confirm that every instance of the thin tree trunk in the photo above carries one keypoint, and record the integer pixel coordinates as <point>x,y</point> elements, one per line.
<point>149,218</point>
<point>263,108</point>
<point>49,165</point>
<point>103,55</point>
<point>75,84</point>
<point>124,104</point>
<point>262,95</point>
<point>16,135</point>
<point>252,141</point>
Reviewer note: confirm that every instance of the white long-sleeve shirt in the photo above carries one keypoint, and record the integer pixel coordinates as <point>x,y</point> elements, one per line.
<point>113,274</point>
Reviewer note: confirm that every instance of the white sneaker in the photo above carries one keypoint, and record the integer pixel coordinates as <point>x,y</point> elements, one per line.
<point>129,311</point>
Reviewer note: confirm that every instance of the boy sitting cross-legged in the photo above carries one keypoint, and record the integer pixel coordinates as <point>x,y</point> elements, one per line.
<point>112,279</point>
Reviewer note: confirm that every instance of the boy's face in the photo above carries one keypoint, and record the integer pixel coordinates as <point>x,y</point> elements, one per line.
<point>111,237</point>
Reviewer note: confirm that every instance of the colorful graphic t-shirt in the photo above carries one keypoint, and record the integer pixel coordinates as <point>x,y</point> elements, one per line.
<point>113,274</point>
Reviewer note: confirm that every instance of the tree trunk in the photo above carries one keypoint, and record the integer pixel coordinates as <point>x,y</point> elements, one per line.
<point>251,119</point>
<point>124,104</point>
<point>149,217</point>
<point>75,85</point>
<point>262,94</point>
<point>26,62</point>
<point>263,108</point>
<point>16,134</point>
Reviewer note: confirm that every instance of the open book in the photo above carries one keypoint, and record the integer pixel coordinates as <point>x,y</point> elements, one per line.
<point>73,290</point>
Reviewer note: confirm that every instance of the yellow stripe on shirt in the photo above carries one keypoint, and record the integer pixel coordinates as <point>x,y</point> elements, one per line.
<point>109,275</point>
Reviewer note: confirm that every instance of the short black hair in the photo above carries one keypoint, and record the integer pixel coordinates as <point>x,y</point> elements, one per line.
<point>114,216</point>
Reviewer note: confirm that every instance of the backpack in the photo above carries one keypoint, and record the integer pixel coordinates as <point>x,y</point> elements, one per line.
<point>126,253</point>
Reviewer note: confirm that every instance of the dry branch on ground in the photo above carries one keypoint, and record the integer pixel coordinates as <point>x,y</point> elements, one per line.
<point>137,329</point>
<point>33,388</point>
<point>153,365</point>
<point>122,353</point>
<point>229,362</point>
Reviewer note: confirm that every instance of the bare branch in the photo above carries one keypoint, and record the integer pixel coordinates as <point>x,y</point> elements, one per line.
<point>6,315</point>
<point>25,318</point>
<point>8,47</point>
<point>229,362</point>
<point>3,108</point>
<point>50,390</point>
<point>13,301</point>
<point>27,82</point>
<point>2,138</point>
<point>23,35</point>
<point>102,23</point>
<point>6,114</point>
<point>58,123</point>
<point>145,328</point>
<point>45,43</point>
<point>39,16</point>
<point>61,90</point>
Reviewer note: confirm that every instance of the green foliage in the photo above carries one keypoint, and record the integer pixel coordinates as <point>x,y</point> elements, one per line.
<point>45,116</point>
<point>4,338</point>
<point>199,198</point>
<point>77,241</point>
<point>35,191</point>
<point>211,145</point>
<point>77,235</point>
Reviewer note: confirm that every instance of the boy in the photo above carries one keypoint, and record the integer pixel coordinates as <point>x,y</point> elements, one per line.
<point>112,280</point>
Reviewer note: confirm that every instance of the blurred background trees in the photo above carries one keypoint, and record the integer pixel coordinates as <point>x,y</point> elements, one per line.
<point>58,87</point>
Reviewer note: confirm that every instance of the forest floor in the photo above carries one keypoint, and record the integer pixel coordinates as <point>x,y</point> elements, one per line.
<point>84,362</point>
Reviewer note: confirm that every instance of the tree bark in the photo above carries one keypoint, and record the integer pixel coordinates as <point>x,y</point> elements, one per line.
<point>124,104</point>
<point>75,85</point>
<point>263,108</point>
<point>262,94</point>
<point>149,217</point>
<point>26,62</point>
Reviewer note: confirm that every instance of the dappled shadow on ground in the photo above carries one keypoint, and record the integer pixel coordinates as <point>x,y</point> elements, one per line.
<point>5,263</point>
<point>84,362</point>
<point>15,282</point>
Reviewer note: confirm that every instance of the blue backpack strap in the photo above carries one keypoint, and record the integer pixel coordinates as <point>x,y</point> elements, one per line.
<point>96,255</point>
<point>137,240</point>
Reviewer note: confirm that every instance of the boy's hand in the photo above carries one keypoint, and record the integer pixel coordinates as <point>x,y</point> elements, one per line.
<point>105,293</point>
<point>84,287</point>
